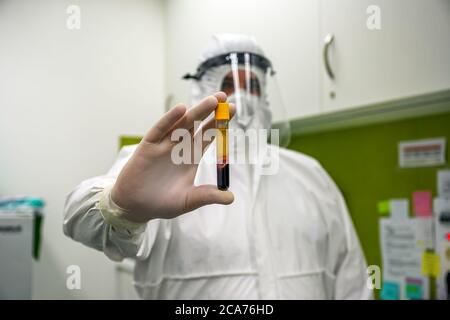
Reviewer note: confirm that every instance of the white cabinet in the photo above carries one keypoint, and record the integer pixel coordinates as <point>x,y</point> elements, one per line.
<point>408,56</point>
<point>287,30</point>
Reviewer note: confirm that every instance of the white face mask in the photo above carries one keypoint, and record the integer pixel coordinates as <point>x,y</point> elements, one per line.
<point>251,112</point>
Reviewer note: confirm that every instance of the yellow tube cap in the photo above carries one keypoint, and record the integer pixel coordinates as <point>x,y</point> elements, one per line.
<point>222,111</point>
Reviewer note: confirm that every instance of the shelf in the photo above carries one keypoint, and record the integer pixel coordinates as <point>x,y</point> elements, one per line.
<point>423,105</point>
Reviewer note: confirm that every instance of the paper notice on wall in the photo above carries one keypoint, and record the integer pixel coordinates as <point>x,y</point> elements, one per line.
<point>422,203</point>
<point>414,288</point>
<point>390,290</point>
<point>399,208</point>
<point>383,207</point>
<point>431,265</point>
<point>424,233</point>
<point>421,153</point>
<point>400,253</point>
<point>443,183</point>
<point>402,257</point>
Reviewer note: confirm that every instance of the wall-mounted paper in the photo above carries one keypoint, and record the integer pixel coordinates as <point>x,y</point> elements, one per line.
<point>399,251</point>
<point>422,203</point>
<point>399,208</point>
<point>383,207</point>
<point>414,288</point>
<point>401,256</point>
<point>421,153</point>
<point>431,264</point>
<point>443,183</point>
<point>424,233</point>
<point>390,291</point>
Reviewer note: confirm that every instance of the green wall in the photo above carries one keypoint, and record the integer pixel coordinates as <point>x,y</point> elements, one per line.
<point>363,161</point>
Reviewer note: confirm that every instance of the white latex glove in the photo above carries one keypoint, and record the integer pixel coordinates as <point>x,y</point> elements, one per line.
<point>151,186</point>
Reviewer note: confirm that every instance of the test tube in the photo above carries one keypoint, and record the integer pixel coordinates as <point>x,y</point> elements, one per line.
<point>222,116</point>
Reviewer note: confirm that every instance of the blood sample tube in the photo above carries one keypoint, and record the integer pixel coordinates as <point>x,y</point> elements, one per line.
<point>222,116</point>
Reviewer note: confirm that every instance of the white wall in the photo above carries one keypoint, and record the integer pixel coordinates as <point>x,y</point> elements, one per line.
<point>65,97</point>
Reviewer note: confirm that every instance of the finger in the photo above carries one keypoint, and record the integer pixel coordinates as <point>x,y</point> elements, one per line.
<point>198,113</point>
<point>201,111</point>
<point>221,96</point>
<point>162,127</point>
<point>199,196</point>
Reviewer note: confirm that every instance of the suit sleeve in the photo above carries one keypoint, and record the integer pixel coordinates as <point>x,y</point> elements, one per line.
<point>84,223</point>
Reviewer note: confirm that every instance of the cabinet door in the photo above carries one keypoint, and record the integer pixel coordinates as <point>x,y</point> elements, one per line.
<point>287,30</point>
<point>409,55</point>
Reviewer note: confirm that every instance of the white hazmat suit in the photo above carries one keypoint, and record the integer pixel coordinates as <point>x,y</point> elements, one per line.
<point>286,236</point>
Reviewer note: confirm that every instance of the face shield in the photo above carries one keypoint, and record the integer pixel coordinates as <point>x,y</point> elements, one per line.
<point>250,83</point>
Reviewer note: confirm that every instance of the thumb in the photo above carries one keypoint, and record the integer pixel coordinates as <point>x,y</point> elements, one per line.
<point>199,196</point>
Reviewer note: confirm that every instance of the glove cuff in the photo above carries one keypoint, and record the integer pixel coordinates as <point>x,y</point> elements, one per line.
<point>113,214</point>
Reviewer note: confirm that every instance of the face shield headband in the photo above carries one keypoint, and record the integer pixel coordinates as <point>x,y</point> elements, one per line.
<point>225,59</point>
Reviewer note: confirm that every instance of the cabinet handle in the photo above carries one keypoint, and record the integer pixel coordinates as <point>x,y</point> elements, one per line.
<point>328,41</point>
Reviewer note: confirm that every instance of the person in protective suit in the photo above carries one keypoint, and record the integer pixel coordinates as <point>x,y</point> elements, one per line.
<point>283,235</point>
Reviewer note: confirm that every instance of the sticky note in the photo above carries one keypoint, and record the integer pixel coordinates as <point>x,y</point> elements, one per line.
<point>422,203</point>
<point>390,291</point>
<point>399,208</point>
<point>431,264</point>
<point>383,207</point>
<point>414,289</point>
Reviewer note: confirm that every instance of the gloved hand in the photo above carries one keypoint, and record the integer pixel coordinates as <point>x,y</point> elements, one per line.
<point>151,186</point>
